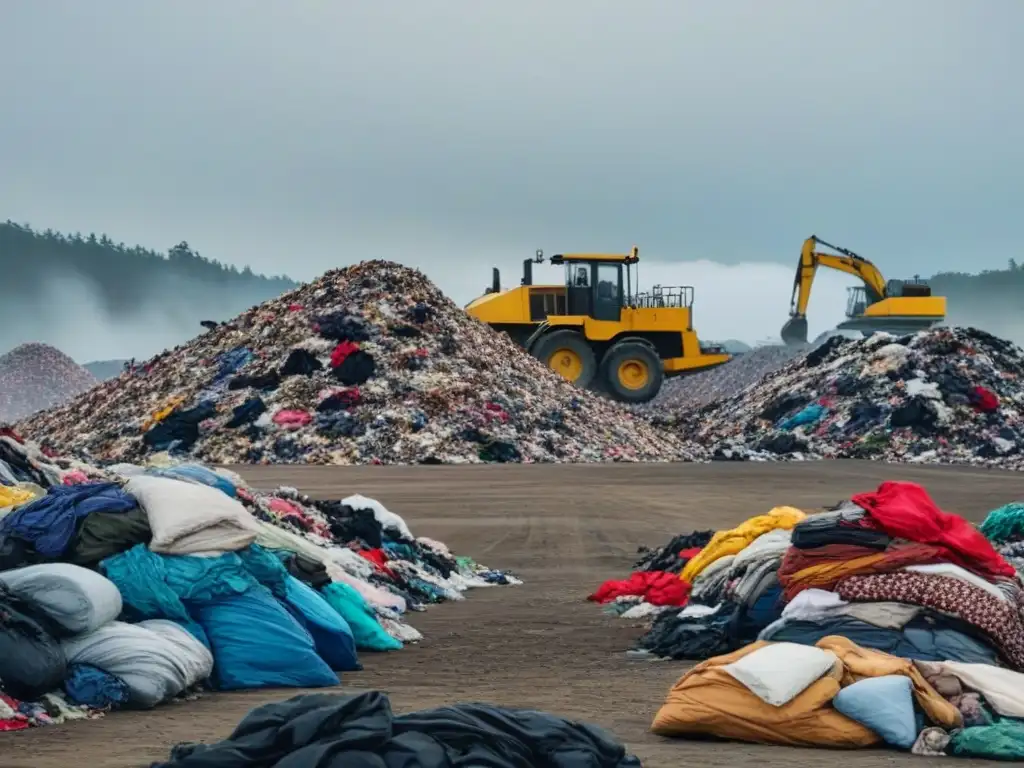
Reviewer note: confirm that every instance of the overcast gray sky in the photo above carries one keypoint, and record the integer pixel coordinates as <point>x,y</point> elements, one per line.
<point>298,135</point>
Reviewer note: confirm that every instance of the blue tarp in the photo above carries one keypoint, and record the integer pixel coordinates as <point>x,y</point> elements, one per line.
<point>330,632</point>
<point>367,632</point>
<point>257,644</point>
<point>49,521</point>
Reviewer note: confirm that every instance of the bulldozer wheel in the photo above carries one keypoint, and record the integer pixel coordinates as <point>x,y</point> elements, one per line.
<point>568,354</point>
<point>632,372</point>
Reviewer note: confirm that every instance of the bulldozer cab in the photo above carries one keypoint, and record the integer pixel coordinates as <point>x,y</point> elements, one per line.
<point>597,285</point>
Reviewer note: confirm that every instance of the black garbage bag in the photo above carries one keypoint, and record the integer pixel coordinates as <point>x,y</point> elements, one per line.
<point>31,660</point>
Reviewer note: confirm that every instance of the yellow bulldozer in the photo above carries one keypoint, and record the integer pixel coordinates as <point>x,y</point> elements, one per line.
<point>896,306</point>
<point>594,331</point>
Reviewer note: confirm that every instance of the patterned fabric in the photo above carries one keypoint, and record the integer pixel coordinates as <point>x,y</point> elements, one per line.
<point>998,619</point>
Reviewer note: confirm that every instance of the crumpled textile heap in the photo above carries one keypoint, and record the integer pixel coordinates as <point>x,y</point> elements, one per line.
<point>390,371</point>
<point>997,619</point>
<point>947,395</point>
<point>674,555</point>
<point>733,541</point>
<point>361,731</point>
<point>709,700</point>
<point>905,510</point>
<point>654,587</point>
<point>34,377</point>
<point>313,575</point>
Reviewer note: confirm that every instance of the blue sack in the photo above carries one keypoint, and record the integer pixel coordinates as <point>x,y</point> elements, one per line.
<point>256,643</point>
<point>366,630</point>
<point>330,632</point>
<point>199,474</point>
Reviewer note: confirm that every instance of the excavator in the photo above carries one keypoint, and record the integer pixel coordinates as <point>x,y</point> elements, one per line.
<point>594,331</point>
<point>896,306</point>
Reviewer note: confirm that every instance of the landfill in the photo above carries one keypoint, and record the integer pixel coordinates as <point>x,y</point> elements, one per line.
<point>368,364</point>
<point>34,377</point>
<point>943,396</point>
<point>882,620</point>
<point>687,393</point>
<point>327,731</point>
<point>129,586</point>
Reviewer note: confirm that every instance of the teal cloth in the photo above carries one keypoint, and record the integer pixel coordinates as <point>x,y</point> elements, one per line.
<point>367,632</point>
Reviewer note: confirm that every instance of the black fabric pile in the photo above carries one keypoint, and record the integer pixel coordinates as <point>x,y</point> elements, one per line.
<point>667,558</point>
<point>324,731</point>
<point>31,659</point>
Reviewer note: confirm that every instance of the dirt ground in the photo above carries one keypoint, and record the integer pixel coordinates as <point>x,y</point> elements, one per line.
<point>563,530</point>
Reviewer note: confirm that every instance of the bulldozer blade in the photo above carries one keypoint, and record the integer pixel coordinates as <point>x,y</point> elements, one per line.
<point>794,332</point>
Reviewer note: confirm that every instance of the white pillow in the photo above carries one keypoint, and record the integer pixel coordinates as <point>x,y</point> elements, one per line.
<point>779,672</point>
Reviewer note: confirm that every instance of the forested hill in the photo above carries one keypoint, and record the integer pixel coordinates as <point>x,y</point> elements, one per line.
<point>94,298</point>
<point>992,300</point>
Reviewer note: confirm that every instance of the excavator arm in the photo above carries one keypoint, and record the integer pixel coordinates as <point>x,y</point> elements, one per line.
<point>795,329</point>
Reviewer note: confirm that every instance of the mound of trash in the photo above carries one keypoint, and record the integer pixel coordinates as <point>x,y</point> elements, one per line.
<point>686,393</point>
<point>133,585</point>
<point>951,396</point>
<point>841,616</point>
<point>34,377</point>
<point>368,364</point>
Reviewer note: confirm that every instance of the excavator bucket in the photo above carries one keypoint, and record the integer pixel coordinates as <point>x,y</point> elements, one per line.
<point>794,332</point>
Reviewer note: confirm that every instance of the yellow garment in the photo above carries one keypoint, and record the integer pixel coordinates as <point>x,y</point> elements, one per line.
<point>13,496</point>
<point>730,542</point>
<point>707,700</point>
<point>162,413</point>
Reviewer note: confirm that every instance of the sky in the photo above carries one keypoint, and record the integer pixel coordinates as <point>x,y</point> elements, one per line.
<point>300,135</point>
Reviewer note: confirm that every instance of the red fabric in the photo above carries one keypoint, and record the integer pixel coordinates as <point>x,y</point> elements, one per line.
<point>342,351</point>
<point>292,419</point>
<point>9,432</point>
<point>689,554</point>
<point>984,400</point>
<point>655,587</point>
<point>906,511</point>
<point>379,560</point>
<point>294,307</point>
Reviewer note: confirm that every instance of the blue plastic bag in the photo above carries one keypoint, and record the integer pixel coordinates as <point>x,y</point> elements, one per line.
<point>257,644</point>
<point>330,632</point>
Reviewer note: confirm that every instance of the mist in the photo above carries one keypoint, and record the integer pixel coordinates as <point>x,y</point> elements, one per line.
<point>67,311</point>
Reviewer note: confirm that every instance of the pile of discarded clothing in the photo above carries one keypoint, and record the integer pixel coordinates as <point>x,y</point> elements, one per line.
<point>130,586</point>
<point>362,730</point>
<point>940,396</point>
<point>687,393</point>
<point>34,377</point>
<point>888,570</point>
<point>368,364</point>
<point>839,694</point>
